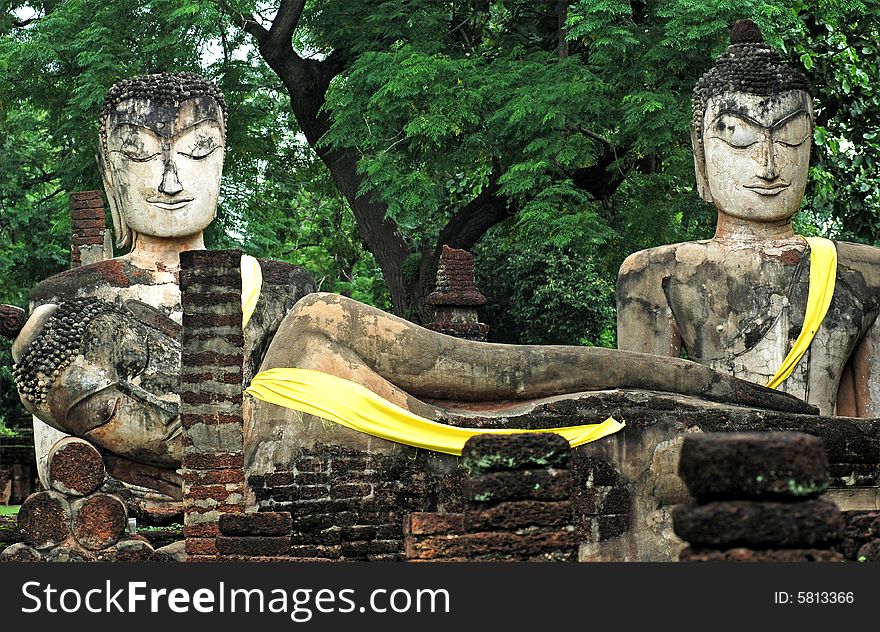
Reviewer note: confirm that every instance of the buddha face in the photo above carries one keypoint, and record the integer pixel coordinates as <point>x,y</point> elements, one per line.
<point>118,391</point>
<point>163,164</point>
<point>757,153</point>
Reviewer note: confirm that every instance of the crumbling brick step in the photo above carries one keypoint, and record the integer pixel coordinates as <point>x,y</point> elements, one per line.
<point>760,525</point>
<point>518,514</point>
<point>264,545</point>
<point>754,465</point>
<point>274,523</point>
<point>524,484</point>
<point>493,453</point>
<point>860,528</point>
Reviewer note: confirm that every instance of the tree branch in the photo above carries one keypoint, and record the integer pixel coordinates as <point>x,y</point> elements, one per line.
<point>23,23</point>
<point>593,135</point>
<point>472,221</point>
<point>48,197</point>
<point>247,23</point>
<point>285,22</point>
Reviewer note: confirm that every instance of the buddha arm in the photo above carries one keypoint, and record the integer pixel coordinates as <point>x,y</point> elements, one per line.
<point>337,335</point>
<point>645,322</point>
<point>859,392</point>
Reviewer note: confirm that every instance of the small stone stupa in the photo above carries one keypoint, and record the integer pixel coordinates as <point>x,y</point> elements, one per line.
<point>456,297</point>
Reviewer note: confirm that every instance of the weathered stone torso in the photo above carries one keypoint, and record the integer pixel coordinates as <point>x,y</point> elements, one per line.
<point>158,297</point>
<point>739,306</point>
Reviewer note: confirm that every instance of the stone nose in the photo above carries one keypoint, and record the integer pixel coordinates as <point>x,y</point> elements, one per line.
<point>767,160</point>
<point>170,184</point>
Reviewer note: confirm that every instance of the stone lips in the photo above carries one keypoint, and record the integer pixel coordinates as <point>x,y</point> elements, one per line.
<point>759,525</point>
<point>761,465</point>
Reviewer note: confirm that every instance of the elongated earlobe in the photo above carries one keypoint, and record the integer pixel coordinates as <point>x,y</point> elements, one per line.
<point>700,169</point>
<point>120,228</point>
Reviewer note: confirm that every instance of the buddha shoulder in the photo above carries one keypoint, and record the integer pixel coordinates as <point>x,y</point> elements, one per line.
<point>91,279</point>
<point>666,259</point>
<point>860,258</point>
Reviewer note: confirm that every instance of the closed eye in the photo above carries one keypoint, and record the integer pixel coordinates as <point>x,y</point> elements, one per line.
<point>794,130</point>
<point>136,157</point>
<point>735,131</point>
<point>200,154</point>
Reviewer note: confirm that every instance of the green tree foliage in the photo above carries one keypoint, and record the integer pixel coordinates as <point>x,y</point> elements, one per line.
<point>839,49</point>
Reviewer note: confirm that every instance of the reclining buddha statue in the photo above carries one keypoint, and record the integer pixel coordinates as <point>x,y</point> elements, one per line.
<point>99,355</point>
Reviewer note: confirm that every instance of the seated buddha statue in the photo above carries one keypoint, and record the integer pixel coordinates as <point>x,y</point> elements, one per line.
<point>749,302</point>
<point>100,356</point>
<point>160,152</point>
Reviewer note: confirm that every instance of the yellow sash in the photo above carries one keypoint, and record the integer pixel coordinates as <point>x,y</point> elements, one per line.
<point>823,273</point>
<point>354,406</point>
<point>251,284</point>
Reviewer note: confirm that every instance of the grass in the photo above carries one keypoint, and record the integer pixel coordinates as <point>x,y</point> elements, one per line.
<point>9,510</point>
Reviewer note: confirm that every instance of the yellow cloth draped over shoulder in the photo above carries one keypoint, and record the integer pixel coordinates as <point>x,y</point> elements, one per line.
<point>823,274</point>
<point>355,406</point>
<point>251,285</point>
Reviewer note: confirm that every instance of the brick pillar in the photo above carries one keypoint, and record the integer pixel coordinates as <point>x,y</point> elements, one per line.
<point>456,297</point>
<point>90,240</point>
<point>212,362</point>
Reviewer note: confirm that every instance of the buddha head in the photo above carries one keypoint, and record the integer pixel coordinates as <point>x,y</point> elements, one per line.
<point>161,155</point>
<point>105,374</point>
<point>751,131</point>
